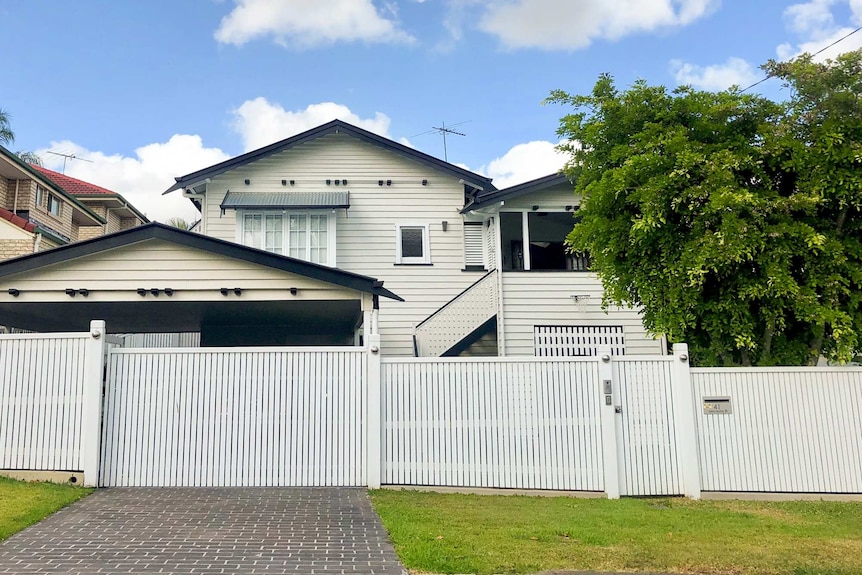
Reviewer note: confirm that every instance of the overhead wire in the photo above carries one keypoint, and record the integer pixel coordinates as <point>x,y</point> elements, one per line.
<point>820,51</point>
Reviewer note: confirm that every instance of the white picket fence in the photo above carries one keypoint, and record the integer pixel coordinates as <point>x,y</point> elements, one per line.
<point>183,339</point>
<point>492,422</point>
<point>792,430</point>
<point>41,395</point>
<point>647,429</point>
<point>624,425</point>
<point>224,416</point>
<point>50,401</point>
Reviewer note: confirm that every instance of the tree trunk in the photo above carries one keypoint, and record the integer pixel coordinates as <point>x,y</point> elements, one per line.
<point>768,334</point>
<point>746,357</point>
<point>842,217</point>
<point>817,344</point>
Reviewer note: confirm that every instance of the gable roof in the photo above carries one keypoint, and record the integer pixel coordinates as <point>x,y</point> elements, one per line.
<point>70,184</point>
<point>334,127</point>
<point>539,184</point>
<point>155,230</point>
<point>82,189</point>
<point>31,173</point>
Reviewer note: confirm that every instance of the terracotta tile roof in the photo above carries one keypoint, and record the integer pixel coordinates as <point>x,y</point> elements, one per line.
<point>72,185</point>
<point>17,220</point>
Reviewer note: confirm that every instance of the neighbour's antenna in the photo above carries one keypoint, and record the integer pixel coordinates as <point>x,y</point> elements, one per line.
<point>443,130</point>
<point>68,157</point>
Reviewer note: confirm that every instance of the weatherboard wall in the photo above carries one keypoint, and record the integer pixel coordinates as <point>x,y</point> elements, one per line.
<point>555,198</point>
<point>524,307</point>
<point>366,233</point>
<point>195,275</point>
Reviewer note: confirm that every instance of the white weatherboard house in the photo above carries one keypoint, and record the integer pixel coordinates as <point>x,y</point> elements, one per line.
<point>443,238</point>
<point>469,269</point>
<point>287,275</point>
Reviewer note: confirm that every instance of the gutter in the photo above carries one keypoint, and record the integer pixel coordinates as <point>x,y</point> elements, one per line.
<point>50,235</point>
<point>118,197</point>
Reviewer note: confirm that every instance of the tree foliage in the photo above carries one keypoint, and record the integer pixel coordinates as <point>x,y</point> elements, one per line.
<point>732,220</point>
<point>7,136</point>
<point>180,223</point>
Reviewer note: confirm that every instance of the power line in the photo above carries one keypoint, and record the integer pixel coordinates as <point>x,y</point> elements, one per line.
<point>820,51</point>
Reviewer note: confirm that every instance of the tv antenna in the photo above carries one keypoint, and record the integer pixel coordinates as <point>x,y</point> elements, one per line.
<point>68,157</point>
<point>443,131</point>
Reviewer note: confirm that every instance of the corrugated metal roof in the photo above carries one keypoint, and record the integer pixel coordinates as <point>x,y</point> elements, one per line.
<point>295,200</point>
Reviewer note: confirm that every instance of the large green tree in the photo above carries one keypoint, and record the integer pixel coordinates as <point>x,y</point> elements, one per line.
<point>731,220</point>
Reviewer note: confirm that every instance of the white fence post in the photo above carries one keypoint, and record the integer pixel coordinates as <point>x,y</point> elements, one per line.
<point>91,403</point>
<point>686,428</point>
<point>609,424</point>
<point>374,429</point>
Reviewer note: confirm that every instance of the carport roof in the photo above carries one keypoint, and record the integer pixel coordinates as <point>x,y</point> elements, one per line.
<point>159,231</point>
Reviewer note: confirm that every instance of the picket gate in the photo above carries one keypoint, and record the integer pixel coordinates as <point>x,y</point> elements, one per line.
<point>235,417</point>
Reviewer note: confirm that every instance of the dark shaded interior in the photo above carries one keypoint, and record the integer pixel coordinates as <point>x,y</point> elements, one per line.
<point>228,323</point>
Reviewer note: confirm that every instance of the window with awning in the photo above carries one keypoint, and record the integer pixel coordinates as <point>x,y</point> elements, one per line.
<point>306,235</point>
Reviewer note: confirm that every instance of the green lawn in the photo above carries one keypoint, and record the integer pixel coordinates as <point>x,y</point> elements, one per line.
<point>23,504</point>
<point>447,533</point>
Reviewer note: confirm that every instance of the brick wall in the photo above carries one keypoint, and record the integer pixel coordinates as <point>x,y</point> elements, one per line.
<point>4,187</point>
<point>24,195</point>
<point>89,232</point>
<point>61,223</point>
<point>114,223</point>
<point>7,193</point>
<point>128,223</point>
<point>14,248</point>
<point>46,244</point>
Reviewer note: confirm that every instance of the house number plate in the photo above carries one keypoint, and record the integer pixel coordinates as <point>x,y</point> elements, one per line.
<point>717,405</point>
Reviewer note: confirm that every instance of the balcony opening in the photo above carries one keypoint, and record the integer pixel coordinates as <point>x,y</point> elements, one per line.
<point>546,235</point>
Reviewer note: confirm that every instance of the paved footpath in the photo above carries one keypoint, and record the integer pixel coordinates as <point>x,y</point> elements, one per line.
<point>207,531</point>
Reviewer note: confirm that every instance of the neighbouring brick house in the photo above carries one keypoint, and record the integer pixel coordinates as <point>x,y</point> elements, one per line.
<point>41,209</point>
<point>117,212</point>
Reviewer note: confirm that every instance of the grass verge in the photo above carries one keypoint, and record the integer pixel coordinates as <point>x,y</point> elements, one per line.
<point>22,504</point>
<point>450,533</point>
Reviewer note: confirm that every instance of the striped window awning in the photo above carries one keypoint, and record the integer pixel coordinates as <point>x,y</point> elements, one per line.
<point>283,200</point>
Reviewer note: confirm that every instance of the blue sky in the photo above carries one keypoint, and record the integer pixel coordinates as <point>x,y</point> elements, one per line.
<point>156,89</point>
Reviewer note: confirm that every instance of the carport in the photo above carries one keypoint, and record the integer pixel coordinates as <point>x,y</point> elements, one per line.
<point>157,279</point>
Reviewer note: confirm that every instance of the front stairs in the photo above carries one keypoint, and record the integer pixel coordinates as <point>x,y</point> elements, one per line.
<point>461,321</point>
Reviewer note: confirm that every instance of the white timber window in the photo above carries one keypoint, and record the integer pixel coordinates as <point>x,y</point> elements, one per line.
<point>308,236</point>
<point>40,196</point>
<point>474,246</point>
<point>412,244</point>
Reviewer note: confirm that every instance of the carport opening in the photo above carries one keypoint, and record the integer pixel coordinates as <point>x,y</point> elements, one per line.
<point>200,324</point>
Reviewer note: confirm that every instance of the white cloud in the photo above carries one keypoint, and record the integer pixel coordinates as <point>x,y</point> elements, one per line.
<point>524,162</point>
<point>812,22</point>
<point>310,23</point>
<point>815,24</point>
<point>141,179</point>
<point>261,122</point>
<point>734,72</point>
<point>569,25</point>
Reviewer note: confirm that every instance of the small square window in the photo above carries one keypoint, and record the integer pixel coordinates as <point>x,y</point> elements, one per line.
<point>412,244</point>
<point>54,205</point>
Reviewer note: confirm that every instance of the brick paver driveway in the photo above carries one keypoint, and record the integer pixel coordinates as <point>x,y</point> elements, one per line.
<point>207,530</point>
